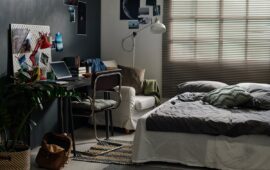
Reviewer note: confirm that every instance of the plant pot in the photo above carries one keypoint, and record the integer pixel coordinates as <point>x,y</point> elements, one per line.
<point>19,160</point>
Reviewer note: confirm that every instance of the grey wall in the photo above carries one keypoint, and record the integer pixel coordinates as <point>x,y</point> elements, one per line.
<point>55,14</point>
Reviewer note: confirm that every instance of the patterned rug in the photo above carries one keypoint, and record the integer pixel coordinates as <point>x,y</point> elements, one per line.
<point>121,156</point>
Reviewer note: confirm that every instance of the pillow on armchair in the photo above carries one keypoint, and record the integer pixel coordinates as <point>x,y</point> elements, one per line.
<point>133,77</point>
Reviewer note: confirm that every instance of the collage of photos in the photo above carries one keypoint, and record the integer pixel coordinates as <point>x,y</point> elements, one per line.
<point>30,49</point>
<point>130,10</point>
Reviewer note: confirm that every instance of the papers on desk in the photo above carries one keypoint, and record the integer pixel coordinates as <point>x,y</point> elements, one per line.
<point>61,82</point>
<point>55,82</point>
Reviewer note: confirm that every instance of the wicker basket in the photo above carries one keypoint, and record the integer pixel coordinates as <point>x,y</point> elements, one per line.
<point>15,160</point>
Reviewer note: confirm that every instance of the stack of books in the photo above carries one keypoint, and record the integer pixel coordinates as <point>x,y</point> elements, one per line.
<point>81,70</point>
<point>74,71</point>
<point>73,64</point>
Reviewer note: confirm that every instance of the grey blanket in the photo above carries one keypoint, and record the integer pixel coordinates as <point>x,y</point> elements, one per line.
<point>199,118</point>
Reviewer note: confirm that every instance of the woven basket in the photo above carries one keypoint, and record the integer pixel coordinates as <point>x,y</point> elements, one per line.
<point>15,160</point>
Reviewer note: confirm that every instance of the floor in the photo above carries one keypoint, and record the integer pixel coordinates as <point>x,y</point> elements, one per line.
<point>85,139</point>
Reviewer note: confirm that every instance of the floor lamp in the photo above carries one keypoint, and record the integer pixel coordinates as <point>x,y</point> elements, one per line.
<point>156,28</point>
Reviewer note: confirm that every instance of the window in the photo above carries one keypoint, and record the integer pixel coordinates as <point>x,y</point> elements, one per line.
<point>219,30</point>
<point>220,40</point>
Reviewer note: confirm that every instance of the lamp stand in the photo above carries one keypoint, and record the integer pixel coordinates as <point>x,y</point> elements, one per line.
<point>133,52</point>
<point>156,28</point>
<point>134,48</point>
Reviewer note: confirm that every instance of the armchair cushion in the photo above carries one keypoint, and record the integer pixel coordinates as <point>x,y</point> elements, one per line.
<point>133,77</point>
<point>144,102</point>
<point>100,104</point>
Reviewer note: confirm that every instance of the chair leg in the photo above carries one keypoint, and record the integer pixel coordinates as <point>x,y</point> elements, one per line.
<point>104,142</point>
<point>107,124</point>
<point>111,123</point>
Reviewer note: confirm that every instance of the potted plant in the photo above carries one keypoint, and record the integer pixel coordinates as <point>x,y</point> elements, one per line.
<point>17,102</point>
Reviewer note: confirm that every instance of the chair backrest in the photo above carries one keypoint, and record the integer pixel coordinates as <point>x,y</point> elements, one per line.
<point>107,81</point>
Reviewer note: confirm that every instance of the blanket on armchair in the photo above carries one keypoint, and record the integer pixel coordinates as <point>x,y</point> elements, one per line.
<point>150,88</point>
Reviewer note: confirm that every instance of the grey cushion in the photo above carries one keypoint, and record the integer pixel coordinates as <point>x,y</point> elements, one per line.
<point>133,77</point>
<point>253,87</point>
<point>100,104</point>
<point>199,86</point>
<point>228,97</point>
<point>144,102</point>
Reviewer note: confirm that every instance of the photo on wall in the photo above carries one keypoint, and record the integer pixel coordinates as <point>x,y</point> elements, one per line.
<point>151,2</point>
<point>72,13</point>
<point>143,11</point>
<point>81,28</point>
<point>71,2</point>
<point>129,9</point>
<point>144,20</point>
<point>156,10</point>
<point>133,24</point>
<point>21,41</point>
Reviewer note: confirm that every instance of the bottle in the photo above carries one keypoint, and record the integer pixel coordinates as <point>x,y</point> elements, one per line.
<point>59,42</point>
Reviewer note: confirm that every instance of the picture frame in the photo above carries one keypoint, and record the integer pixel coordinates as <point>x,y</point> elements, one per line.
<point>129,9</point>
<point>156,10</point>
<point>71,2</point>
<point>151,2</point>
<point>133,24</point>
<point>143,11</point>
<point>82,18</point>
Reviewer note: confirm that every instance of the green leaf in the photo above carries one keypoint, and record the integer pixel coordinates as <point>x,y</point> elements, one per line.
<point>19,101</point>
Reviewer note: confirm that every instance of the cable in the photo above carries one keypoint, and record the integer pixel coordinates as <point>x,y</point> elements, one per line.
<point>125,39</point>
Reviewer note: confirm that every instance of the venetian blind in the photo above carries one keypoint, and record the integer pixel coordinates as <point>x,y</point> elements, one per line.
<point>222,35</point>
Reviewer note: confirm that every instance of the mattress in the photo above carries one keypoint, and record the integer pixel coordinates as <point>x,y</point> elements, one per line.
<point>249,152</point>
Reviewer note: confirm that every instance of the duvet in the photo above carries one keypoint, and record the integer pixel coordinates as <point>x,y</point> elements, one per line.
<point>189,114</point>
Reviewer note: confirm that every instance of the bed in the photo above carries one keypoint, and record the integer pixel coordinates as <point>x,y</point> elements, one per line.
<point>250,151</point>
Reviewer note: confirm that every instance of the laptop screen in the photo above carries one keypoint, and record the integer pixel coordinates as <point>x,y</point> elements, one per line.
<point>60,70</point>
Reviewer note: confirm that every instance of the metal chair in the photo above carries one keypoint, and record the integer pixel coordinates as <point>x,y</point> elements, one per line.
<point>102,82</point>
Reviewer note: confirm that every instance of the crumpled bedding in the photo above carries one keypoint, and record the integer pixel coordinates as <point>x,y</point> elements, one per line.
<point>189,114</point>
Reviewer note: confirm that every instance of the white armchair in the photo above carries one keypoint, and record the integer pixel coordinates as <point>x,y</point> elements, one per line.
<point>132,106</point>
<point>130,110</point>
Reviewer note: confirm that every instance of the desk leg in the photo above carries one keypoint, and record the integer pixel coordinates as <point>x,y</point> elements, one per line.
<point>60,115</point>
<point>111,122</point>
<point>106,96</point>
<point>107,124</point>
<point>71,127</point>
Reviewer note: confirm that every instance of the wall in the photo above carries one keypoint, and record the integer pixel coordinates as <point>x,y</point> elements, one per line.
<point>148,45</point>
<point>55,14</point>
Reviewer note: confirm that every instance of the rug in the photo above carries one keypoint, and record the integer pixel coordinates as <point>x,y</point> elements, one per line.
<point>120,156</point>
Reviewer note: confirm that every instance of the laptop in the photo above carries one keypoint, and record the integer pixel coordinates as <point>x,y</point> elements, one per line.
<point>61,71</point>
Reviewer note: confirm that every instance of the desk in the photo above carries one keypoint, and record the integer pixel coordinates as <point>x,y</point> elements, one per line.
<point>65,108</point>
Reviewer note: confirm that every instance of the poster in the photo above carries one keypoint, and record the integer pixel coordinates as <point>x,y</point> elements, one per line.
<point>129,9</point>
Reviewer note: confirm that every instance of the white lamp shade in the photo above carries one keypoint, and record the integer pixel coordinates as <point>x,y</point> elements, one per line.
<point>158,28</point>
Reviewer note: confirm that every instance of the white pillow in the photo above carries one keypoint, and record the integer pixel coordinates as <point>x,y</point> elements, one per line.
<point>110,64</point>
<point>253,87</point>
